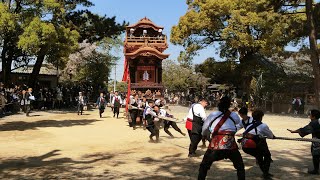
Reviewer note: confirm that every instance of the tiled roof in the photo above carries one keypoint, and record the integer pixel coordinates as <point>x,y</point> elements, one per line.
<point>46,69</point>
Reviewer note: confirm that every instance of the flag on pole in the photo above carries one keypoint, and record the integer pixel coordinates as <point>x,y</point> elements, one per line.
<point>126,78</point>
<point>128,94</point>
<point>126,70</point>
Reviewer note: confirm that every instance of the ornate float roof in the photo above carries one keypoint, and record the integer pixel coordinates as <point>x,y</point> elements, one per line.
<point>147,51</point>
<point>145,23</point>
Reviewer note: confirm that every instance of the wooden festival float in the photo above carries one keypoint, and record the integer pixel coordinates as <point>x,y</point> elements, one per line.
<point>143,51</point>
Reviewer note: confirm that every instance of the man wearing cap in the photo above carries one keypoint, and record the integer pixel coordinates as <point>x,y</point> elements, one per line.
<point>194,123</point>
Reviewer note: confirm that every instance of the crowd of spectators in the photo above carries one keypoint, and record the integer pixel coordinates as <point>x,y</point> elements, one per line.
<point>63,96</point>
<point>186,99</point>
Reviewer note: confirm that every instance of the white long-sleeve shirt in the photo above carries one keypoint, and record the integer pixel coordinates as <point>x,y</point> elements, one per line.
<point>229,125</point>
<point>162,113</point>
<point>262,130</point>
<point>114,98</point>
<point>150,111</point>
<point>157,102</point>
<point>198,110</point>
<point>132,100</point>
<point>299,101</point>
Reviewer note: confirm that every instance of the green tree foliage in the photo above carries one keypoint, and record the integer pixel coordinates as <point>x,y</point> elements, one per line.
<point>48,39</point>
<point>7,21</point>
<point>47,30</point>
<point>93,27</point>
<point>36,35</point>
<point>120,86</point>
<point>10,28</point>
<point>179,78</point>
<point>92,63</point>
<point>219,72</point>
<point>311,10</point>
<point>242,28</point>
<point>96,69</point>
<point>97,65</point>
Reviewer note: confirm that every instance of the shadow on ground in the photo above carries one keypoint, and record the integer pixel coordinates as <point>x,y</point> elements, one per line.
<point>24,125</point>
<point>286,165</point>
<point>63,111</point>
<point>45,167</point>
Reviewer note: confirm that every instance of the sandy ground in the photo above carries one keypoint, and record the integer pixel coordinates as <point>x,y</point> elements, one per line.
<point>63,145</point>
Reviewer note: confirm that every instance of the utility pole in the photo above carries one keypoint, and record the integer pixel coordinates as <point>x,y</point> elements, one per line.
<point>115,78</point>
<point>57,72</point>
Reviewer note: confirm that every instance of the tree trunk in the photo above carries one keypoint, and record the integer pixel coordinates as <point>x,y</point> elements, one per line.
<point>6,57</point>
<point>9,47</point>
<point>6,71</point>
<point>313,50</point>
<point>246,63</point>
<point>4,64</point>
<point>36,68</point>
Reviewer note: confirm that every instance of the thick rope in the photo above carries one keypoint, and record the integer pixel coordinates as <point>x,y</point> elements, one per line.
<point>299,139</point>
<point>170,119</point>
<point>160,117</point>
<point>291,139</point>
<point>6,104</point>
<point>134,107</point>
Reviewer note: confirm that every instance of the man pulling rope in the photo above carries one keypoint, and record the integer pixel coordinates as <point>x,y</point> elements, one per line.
<point>312,128</point>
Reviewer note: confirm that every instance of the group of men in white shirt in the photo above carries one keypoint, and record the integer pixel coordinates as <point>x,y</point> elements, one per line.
<point>152,116</point>
<point>220,128</point>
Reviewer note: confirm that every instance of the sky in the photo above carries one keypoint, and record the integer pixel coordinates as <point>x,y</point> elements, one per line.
<point>164,13</point>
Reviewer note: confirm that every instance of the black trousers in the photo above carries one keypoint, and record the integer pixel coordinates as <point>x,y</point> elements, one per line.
<point>80,108</point>
<point>40,105</point>
<point>28,109</point>
<point>116,111</point>
<point>194,141</point>
<point>134,115</point>
<point>154,131</point>
<point>216,155</point>
<point>167,125</point>
<point>101,110</point>
<point>316,162</point>
<point>262,154</point>
<point>59,104</point>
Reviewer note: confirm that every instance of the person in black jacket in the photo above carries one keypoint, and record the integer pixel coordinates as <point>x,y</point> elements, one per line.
<point>151,117</point>
<point>101,104</point>
<point>312,128</point>
<point>255,143</point>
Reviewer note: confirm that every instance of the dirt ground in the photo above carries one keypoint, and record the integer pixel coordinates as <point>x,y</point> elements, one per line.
<point>63,145</point>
